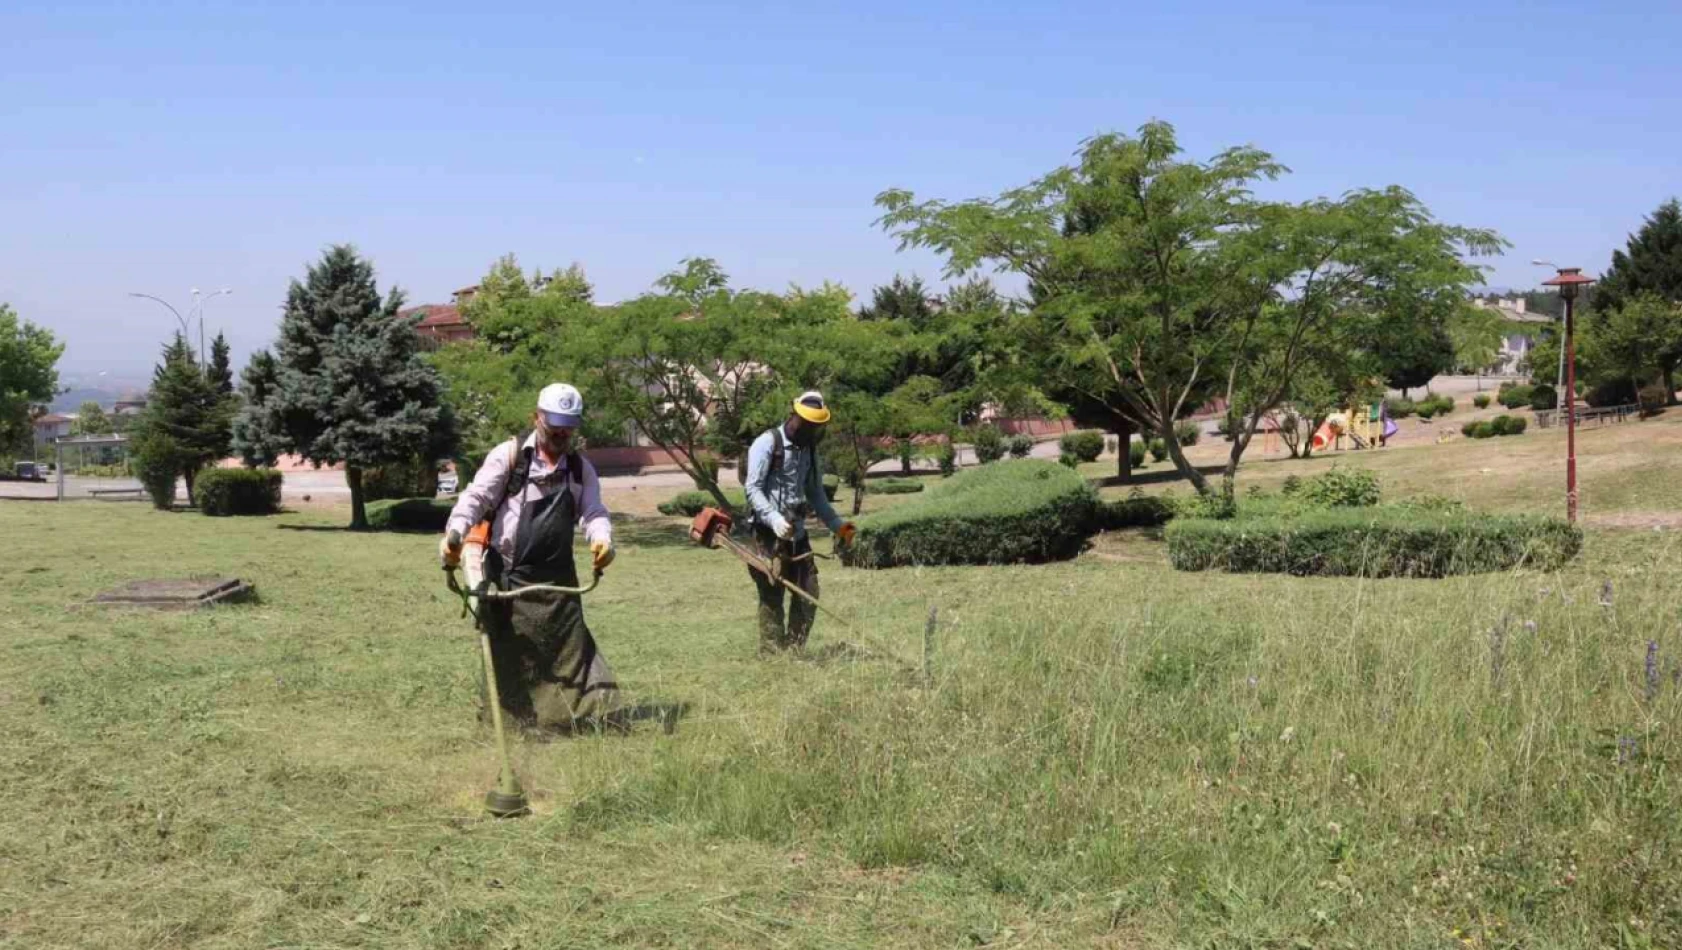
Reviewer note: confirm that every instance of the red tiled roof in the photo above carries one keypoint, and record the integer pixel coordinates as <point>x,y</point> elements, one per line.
<point>436,315</point>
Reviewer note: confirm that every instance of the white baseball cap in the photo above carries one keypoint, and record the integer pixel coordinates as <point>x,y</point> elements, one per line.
<point>561,405</point>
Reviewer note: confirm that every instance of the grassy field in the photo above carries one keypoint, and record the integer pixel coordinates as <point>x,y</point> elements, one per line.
<point>1108,752</point>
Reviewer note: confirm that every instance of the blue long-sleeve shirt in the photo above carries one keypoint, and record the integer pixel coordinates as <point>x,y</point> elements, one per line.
<point>771,494</point>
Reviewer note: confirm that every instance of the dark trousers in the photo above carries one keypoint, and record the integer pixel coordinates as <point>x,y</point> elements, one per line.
<point>802,573</point>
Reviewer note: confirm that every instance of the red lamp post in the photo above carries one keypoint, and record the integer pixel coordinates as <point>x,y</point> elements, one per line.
<point>1569,280</point>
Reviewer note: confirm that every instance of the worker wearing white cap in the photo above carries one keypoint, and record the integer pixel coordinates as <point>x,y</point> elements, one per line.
<point>522,507</point>
<point>784,485</point>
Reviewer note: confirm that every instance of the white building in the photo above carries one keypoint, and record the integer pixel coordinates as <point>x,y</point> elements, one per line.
<point>1517,338</point>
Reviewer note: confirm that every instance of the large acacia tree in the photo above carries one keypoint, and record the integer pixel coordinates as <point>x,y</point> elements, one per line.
<point>346,382</point>
<point>1174,275</point>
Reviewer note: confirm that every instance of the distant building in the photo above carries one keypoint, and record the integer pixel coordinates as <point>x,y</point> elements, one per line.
<point>53,425</point>
<point>1519,336</point>
<point>442,322</point>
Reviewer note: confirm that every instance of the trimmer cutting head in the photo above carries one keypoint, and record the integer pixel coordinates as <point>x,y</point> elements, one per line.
<point>506,805</point>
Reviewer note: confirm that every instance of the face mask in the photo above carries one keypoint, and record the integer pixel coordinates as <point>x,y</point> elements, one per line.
<point>808,437</point>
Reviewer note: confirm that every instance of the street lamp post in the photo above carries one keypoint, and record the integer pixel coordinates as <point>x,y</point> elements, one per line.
<point>1569,280</point>
<point>199,300</point>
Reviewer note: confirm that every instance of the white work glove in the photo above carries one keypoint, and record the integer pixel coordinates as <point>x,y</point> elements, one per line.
<point>783,529</point>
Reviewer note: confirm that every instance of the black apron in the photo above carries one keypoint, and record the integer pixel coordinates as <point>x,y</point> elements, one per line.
<point>548,670</point>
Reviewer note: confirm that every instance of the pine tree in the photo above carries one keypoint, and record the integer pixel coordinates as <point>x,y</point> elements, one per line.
<point>1650,264</point>
<point>221,366</point>
<point>185,406</point>
<point>346,383</point>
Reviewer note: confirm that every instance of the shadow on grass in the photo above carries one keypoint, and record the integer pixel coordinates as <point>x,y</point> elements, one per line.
<point>1160,477</point>
<point>650,532</point>
<point>620,722</point>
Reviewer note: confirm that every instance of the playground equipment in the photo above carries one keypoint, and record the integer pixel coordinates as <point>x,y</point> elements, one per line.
<point>1366,427</point>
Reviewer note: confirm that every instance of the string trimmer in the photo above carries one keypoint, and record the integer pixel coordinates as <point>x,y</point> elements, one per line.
<point>711,529</point>
<point>507,799</point>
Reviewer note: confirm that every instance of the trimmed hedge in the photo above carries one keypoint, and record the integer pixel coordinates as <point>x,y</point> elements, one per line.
<point>1404,541</point>
<point>1543,396</point>
<point>893,486</point>
<point>989,444</point>
<point>1025,511</point>
<point>1517,397</point>
<point>238,491</point>
<point>690,503</point>
<point>1085,445</point>
<point>1138,511</point>
<point>409,514</point>
<point>1187,432</point>
<point>1020,446</point>
<point>1481,400</point>
<point>1136,452</point>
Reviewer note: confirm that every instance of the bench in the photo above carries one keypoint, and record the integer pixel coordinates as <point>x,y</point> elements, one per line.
<point>1548,418</point>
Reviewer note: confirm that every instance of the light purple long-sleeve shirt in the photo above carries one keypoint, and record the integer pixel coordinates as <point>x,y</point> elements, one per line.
<point>491,481</point>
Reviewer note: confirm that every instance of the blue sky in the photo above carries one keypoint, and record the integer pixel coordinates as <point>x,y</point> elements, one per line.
<point>162,146</point>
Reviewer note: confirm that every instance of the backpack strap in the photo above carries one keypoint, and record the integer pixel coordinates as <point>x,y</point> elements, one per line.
<point>777,449</point>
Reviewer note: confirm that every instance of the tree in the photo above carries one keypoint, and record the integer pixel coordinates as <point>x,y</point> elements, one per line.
<point>1476,334</point>
<point>186,413</point>
<point>1651,263</point>
<point>1412,351</point>
<point>28,376</point>
<point>221,367</point>
<point>1156,274</point>
<point>1636,343</point>
<point>91,420</point>
<point>346,383</point>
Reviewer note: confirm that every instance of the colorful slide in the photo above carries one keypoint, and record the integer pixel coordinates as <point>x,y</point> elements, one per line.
<point>1328,431</point>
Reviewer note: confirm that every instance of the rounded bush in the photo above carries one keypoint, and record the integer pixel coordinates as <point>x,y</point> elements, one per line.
<point>1481,400</point>
<point>989,444</point>
<point>1159,450</point>
<point>1085,446</point>
<point>689,503</point>
<point>1187,432</point>
<point>409,514</point>
<point>1543,397</point>
<point>238,491</point>
<point>1517,397</point>
<point>1400,408</point>
<point>1136,452</point>
<point>1020,446</point>
<point>1014,512</point>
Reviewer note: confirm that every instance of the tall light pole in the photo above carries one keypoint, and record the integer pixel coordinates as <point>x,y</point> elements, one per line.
<point>1569,280</point>
<point>199,300</point>
<point>198,304</point>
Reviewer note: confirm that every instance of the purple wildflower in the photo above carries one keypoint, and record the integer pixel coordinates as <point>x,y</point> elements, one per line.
<point>1652,670</point>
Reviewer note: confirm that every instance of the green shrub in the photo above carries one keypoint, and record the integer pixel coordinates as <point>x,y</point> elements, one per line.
<point>1159,450</point>
<point>989,444</point>
<point>409,514</point>
<point>1618,391</point>
<point>947,457</point>
<point>1085,445</point>
<point>157,462</point>
<point>1471,429</point>
<point>1481,400</point>
<point>1425,408</point>
<point>1652,400</point>
<point>689,503</point>
<point>1136,452</point>
<point>1400,541</point>
<point>1020,446</point>
<point>1445,404</point>
<point>1291,486</point>
<point>1021,511</point>
<point>1400,407</point>
<point>1340,487</point>
<point>1136,511</point>
<point>895,486</point>
<point>1507,425</point>
<point>1187,432</point>
<point>1543,396</point>
<point>708,465</point>
<point>412,479</point>
<point>238,491</point>
<point>1517,397</point>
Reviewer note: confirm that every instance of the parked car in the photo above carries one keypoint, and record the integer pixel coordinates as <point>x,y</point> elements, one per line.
<point>447,483</point>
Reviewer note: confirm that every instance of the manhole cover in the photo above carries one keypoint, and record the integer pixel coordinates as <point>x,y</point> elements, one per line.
<point>176,594</point>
